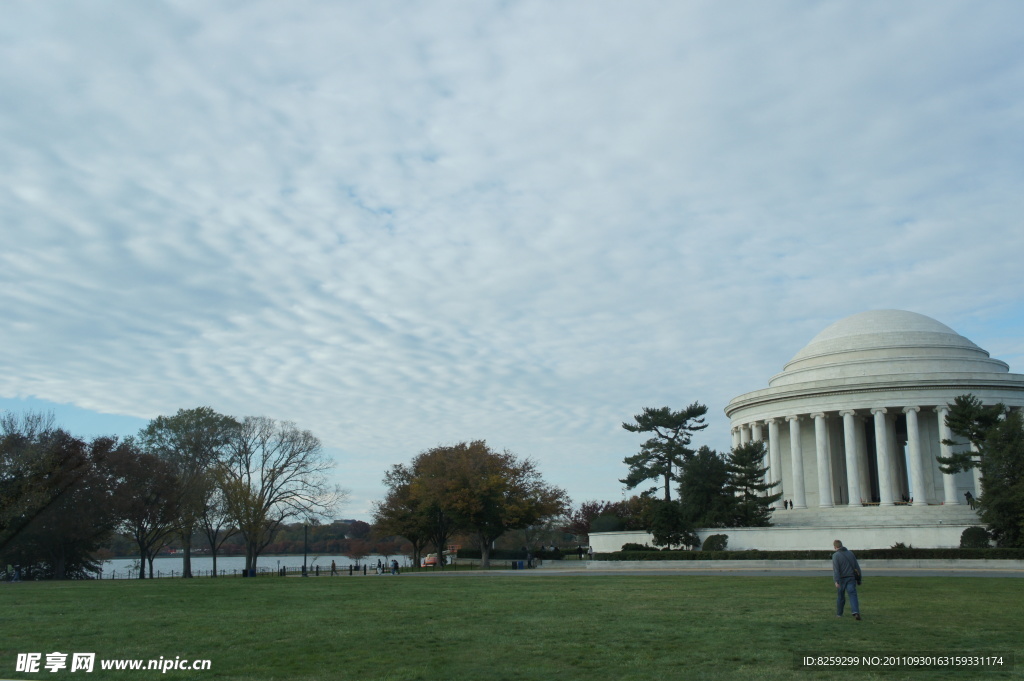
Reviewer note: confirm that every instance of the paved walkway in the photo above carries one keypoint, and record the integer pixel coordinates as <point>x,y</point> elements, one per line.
<point>737,569</point>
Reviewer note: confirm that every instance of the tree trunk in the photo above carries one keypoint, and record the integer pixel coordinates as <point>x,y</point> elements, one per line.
<point>417,552</point>
<point>485,551</point>
<point>186,558</point>
<point>213,552</point>
<point>142,560</point>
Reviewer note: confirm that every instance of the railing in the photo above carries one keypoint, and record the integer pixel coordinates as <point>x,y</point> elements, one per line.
<point>283,571</point>
<point>354,569</point>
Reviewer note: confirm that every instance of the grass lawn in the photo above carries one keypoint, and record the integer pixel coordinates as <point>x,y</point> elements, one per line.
<point>491,627</point>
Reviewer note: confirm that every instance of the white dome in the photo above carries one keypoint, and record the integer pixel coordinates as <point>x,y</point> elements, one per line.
<point>886,343</point>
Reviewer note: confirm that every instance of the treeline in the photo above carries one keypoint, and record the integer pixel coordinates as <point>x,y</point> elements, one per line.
<point>711,489</point>
<point>197,473</point>
<point>353,538</point>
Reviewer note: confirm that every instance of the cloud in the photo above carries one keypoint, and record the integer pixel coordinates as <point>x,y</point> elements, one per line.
<point>401,224</point>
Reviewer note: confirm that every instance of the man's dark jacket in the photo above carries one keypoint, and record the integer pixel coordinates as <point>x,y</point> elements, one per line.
<point>843,564</point>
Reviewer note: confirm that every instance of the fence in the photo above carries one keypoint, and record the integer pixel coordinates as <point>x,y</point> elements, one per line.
<point>353,569</point>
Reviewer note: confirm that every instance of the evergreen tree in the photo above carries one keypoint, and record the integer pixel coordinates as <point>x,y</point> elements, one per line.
<point>971,420</point>
<point>662,455</point>
<point>752,501</point>
<point>669,526</point>
<point>998,434</point>
<point>702,490</point>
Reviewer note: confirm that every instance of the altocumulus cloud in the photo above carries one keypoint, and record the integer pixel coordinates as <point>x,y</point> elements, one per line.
<point>404,224</point>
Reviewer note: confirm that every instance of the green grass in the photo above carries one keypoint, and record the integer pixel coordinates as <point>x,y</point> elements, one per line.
<point>507,627</point>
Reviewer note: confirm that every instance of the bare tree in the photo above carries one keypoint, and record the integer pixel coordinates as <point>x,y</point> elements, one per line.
<point>274,472</point>
<point>215,520</point>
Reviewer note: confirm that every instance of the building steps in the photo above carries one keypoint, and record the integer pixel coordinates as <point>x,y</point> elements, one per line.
<point>878,516</point>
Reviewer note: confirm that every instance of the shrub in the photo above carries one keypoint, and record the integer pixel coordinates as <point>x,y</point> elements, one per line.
<point>974,538</point>
<point>900,546</point>
<point>629,546</point>
<point>716,542</point>
<point>823,555</point>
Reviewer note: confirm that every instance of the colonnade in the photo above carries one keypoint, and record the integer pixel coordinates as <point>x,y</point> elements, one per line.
<point>871,459</point>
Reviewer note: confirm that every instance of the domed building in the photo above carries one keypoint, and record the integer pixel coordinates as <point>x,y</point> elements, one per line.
<point>854,424</point>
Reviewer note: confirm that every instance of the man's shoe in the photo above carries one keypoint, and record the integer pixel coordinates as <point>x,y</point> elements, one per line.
<point>856,616</point>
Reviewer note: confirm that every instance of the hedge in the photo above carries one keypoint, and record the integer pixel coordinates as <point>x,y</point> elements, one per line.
<point>514,554</point>
<point>863,554</point>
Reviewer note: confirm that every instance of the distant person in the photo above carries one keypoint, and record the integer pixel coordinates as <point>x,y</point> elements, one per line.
<point>846,575</point>
<point>394,566</point>
<point>334,569</point>
<point>971,500</point>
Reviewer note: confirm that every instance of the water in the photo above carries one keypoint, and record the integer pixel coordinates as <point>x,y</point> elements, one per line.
<point>164,566</point>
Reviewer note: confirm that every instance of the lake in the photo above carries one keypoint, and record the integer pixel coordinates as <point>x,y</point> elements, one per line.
<point>202,565</point>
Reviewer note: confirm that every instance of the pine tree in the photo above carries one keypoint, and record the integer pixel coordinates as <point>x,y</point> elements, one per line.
<point>669,527</point>
<point>747,485</point>
<point>662,455</point>
<point>702,489</point>
<point>998,434</point>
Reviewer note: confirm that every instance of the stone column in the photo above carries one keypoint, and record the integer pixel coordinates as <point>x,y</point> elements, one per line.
<point>850,443</point>
<point>917,490</point>
<point>977,473</point>
<point>862,458</point>
<point>796,451</point>
<point>757,435</point>
<point>948,479</point>
<point>897,459</point>
<point>882,456</point>
<point>774,457</point>
<point>735,438</point>
<point>824,465</point>
<point>744,433</point>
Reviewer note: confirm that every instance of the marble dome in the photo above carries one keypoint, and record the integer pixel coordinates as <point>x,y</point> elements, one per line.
<point>886,344</point>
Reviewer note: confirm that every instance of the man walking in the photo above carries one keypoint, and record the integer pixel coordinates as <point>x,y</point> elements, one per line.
<point>846,575</point>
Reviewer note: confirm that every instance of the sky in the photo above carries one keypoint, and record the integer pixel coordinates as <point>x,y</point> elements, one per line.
<point>410,224</point>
